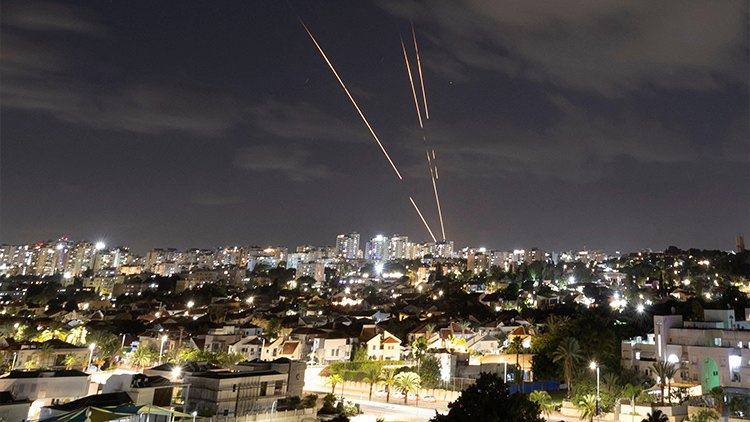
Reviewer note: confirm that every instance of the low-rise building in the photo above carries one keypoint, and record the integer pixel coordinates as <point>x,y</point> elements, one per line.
<point>710,353</point>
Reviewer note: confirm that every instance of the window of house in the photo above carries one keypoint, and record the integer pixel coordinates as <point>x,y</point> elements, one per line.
<point>278,387</point>
<point>234,387</point>
<point>263,388</point>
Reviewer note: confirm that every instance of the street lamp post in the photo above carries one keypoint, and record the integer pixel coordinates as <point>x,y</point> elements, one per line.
<point>598,401</point>
<point>161,348</point>
<point>92,346</point>
<point>194,414</point>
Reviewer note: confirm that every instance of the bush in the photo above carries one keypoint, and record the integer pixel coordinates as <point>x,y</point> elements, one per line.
<point>310,400</point>
<point>328,407</point>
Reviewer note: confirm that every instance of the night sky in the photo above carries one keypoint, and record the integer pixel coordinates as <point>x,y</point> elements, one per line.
<point>615,125</point>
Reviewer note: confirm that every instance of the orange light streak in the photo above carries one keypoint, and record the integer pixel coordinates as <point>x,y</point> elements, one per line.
<point>421,80</point>
<point>352,100</point>
<point>411,80</point>
<point>422,217</point>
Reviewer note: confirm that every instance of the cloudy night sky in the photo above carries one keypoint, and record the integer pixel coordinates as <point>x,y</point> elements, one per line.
<point>615,125</point>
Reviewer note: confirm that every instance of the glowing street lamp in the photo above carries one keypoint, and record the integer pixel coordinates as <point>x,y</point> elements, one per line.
<point>593,366</point>
<point>194,414</point>
<point>92,346</point>
<point>161,348</point>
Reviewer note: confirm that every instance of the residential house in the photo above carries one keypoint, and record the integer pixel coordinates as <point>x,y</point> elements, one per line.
<point>381,344</point>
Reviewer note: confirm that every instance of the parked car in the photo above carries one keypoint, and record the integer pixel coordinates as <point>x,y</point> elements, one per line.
<point>397,395</point>
<point>381,394</point>
<point>429,399</point>
<point>413,397</point>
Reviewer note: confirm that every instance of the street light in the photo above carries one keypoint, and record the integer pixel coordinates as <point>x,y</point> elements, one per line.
<point>194,415</point>
<point>92,346</point>
<point>593,365</point>
<point>161,348</point>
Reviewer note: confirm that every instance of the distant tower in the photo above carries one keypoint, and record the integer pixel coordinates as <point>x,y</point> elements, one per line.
<point>740,244</point>
<point>347,245</point>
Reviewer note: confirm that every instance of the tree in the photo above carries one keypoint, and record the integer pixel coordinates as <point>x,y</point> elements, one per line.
<point>71,360</point>
<point>586,405</point>
<point>230,359</point>
<point>632,392</point>
<point>143,356</point>
<point>407,382</point>
<point>488,400</point>
<point>703,415</point>
<point>429,372</point>
<point>372,376</point>
<point>107,344</point>
<point>387,379</point>
<point>334,380</point>
<point>656,416</point>
<point>47,351</point>
<point>664,371</point>
<point>569,352</point>
<point>544,400</point>
<point>717,393</point>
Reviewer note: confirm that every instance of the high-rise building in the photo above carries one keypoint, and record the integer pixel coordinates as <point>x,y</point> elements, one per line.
<point>347,245</point>
<point>376,249</point>
<point>398,247</point>
<point>739,244</point>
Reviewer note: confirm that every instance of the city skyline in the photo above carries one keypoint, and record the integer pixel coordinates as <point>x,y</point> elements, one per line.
<point>617,126</point>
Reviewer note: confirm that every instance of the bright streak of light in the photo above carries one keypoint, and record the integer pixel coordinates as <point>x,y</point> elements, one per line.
<point>411,81</point>
<point>352,99</point>
<point>421,80</point>
<point>436,173</point>
<point>429,160</point>
<point>422,217</point>
<point>437,201</point>
<point>433,154</point>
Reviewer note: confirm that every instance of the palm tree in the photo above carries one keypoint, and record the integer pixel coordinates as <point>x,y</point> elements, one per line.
<point>656,416</point>
<point>587,406</point>
<point>664,371</point>
<point>47,351</point>
<point>77,335</point>
<point>143,356</point>
<point>334,380</point>
<point>463,325</point>
<point>632,392</point>
<point>372,376</point>
<point>71,360</point>
<point>419,348</point>
<point>233,359</point>
<point>717,393</point>
<point>556,323</point>
<point>611,383</point>
<point>569,352</point>
<point>429,327</point>
<point>544,400</point>
<point>108,345</point>
<point>387,379</point>
<point>407,382</point>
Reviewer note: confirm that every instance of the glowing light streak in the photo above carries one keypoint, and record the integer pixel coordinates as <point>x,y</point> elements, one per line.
<point>437,201</point>
<point>423,220</point>
<point>411,81</point>
<point>352,99</point>
<point>421,80</point>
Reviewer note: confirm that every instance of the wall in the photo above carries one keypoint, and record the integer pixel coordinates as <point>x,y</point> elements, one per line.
<point>298,415</point>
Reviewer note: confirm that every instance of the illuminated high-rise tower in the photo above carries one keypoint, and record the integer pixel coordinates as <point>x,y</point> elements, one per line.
<point>347,245</point>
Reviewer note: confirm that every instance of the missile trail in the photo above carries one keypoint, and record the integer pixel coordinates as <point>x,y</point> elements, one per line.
<point>423,220</point>
<point>352,99</point>
<point>421,80</point>
<point>437,200</point>
<point>411,80</point>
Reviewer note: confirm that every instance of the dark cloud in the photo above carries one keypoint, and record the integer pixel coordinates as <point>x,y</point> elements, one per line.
<point>45,78</point>
<point>302,120</point>
<point>612,47</point>
<point>286,160</point>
